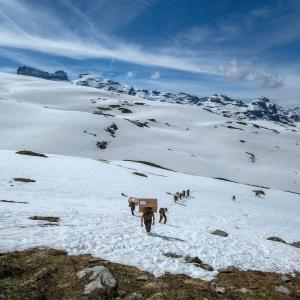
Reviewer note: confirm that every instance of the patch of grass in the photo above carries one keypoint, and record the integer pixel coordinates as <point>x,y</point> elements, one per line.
<point>31,153</point>
<point>52,274</point>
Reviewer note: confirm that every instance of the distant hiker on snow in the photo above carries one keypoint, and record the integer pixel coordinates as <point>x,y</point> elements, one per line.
<point>233,198</point>
<point>162,214</point>
<point>258,193</point>
<point>183,194</point>
<point>187,193</point>
<point>175,198</point>
<point>148,219</point>
<point>132,207</point>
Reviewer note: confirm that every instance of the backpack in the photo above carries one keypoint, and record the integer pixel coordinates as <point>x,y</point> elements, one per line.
<point>148,215</point>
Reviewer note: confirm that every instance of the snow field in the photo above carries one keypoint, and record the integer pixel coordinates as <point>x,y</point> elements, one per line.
<point>96,219</point>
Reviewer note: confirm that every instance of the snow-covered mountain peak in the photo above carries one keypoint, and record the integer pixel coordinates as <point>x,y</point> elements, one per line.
<point>259,109</point>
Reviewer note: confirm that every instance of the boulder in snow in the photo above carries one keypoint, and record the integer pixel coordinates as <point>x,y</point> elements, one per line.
<point>220,233</point>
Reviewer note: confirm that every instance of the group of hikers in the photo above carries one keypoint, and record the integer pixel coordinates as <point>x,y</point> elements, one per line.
<point>180,195</point>
<point>148,218</point>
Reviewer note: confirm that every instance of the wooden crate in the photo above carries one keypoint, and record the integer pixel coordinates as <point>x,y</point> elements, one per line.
<point>134,200</point>
<point>147,202</point>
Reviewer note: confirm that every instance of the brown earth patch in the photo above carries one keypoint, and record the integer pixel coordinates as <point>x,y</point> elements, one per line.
<point>52,274</point>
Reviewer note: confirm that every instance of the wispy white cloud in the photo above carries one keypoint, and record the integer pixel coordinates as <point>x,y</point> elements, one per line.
<point>27,26</point>
<point>268,80</point>
<point>155,75</point>
<point>130,74</point>
<point>237,71</point>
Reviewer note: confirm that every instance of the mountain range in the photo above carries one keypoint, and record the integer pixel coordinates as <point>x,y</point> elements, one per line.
<point>259,109</point>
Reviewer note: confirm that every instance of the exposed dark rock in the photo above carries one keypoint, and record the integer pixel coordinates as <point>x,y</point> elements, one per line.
<point>23,179</point>
<point>41,218</point>
<point>140,174</point>
<point>172,255</point>
<point>276,239</point>
<point>199,263</point>
<point>295,244</point>
<point>242,141</point>
<point>191,260</point>
<point>220,233</point>
<point>138,123</point>
<point>232,127</point>
<point>149,164</point>
<point>125,110</point>
<point>11,201</point>
<point>115,106</point>
<point>152,120</point>
<point>31,153</point>
<point>29,71</point>
<point>103,108</point>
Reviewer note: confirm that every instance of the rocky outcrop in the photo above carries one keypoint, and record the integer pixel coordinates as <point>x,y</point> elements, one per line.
<point>259,109</point>
<point>29,71</point>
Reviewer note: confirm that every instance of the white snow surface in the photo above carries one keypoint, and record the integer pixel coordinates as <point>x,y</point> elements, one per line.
<point>95,218</point>
<point>57,119</point>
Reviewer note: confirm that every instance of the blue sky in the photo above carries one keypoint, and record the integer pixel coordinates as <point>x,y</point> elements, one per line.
<point>244,49</point>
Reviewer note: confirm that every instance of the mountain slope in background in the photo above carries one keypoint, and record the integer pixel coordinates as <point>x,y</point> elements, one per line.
<point>66,119</point>
<point>260,109</point>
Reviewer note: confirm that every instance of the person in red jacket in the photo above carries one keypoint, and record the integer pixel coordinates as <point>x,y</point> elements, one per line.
<point>162,214</point>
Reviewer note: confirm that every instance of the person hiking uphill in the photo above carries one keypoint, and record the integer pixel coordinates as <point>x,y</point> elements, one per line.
<point>148,219</point>
<point>132,207</point>
<point>162,214</point>
<point>187,193</point>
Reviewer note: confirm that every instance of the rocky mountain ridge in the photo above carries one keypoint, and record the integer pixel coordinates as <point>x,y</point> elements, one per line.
<point>259,109</point>
<point>29,71</point>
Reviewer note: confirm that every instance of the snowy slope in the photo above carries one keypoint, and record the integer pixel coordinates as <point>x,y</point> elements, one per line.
<point>59,118</point>
<point>95,218</point>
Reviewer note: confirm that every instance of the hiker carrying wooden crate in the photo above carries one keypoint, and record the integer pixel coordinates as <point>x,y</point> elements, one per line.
<point>148,219</point>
